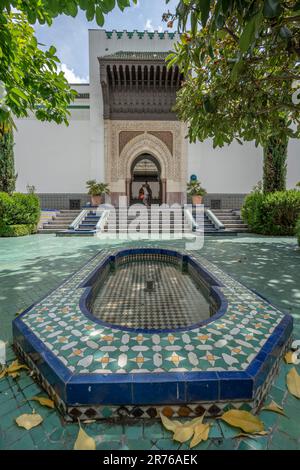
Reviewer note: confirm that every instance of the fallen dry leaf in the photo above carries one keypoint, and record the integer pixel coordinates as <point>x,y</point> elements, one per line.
<point>290,357</point>
<point>183,433</point>
<point>44,401</point>
<point>15,366</point>
<point>273,407</point>
<point>201,433</point>
<point>293,382</point>
<point>168,424</point>
<point>194,422</point>
<point>243,420</point>
<point>3,373</point>
<point>84,442</point>
<point>14,374</point>
<point>28,421</point>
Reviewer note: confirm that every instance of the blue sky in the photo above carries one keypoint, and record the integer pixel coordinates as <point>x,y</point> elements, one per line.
<point>70,35</point>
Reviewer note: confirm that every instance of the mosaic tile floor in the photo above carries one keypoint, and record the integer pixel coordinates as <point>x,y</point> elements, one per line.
<point>125,300</point>
<point>30,266</point>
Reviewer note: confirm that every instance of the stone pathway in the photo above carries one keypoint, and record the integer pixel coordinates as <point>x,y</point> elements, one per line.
<point>31,266</point>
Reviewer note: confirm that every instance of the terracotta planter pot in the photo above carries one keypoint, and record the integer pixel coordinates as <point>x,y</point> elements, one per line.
<point>96,200</point>
<point>197,199</point>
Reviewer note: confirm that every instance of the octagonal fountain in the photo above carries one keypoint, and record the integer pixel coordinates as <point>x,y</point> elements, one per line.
<point>139,331</point>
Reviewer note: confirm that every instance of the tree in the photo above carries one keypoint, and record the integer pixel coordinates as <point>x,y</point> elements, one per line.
<point>242,68</point>
<point>28,73</point>
<point>7,164</point>
<point>29,77</point>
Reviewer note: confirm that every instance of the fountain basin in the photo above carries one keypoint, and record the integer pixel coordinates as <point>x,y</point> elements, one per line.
<point>99,363</point>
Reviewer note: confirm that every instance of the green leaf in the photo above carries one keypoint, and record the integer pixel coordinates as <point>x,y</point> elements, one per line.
<point>18,92</point>
<point>205,9</point>
<point>99,17</point>
<point>194,22</point>
<point>90,12</point>
<point>249,31</point>
<point>52,50</point>
<point>72,8</point>
<point>237,68</point>
<point>31,15</point>
<point>83,4</point>
<point>208,104</point>
<point>122,4</point>
<point>108,5</point>
<point>272,8</point>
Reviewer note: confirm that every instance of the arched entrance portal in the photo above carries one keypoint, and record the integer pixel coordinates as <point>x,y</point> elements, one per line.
<point>146,168</point>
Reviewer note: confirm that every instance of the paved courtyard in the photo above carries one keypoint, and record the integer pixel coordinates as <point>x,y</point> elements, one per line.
<point>31,266</point>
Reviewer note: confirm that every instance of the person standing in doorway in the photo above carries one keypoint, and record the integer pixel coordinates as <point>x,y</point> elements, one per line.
<point>141,194</point>
<point>146,195</point>
<point>149,193</point>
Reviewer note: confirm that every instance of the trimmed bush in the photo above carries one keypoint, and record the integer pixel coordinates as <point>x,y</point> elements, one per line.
<point>19,210</point>
<point>272,213</point>
<point>298,230</point>
<point>17,230</point>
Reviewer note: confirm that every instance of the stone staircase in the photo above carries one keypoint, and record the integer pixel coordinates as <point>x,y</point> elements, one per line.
<point>208,226</point>
<point>60,221</point>
<point>87,226</point>
<point>231,220</point>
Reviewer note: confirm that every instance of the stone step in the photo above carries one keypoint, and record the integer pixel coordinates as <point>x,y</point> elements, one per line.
<point>55,227</point>
<point>70,211</point>
<point>45,231</point>
<point>144,231</point>
<point>222,211</point>
<point>228,217</point>
<point>65,217</point>
<point>238,222</point>
<point>59,222</point>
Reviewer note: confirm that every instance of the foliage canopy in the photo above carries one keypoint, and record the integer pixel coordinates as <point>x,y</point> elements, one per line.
<point>242,68</point>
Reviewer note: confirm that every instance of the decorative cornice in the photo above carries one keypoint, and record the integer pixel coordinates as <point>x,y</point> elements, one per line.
<point>141,34</point>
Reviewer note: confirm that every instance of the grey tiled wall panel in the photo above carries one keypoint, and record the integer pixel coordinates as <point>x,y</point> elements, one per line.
<point>227,201</point>
<point>62,200</point>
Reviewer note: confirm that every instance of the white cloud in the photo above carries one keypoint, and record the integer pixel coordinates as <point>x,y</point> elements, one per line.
<point>71,75</point>
<point>148,25</point>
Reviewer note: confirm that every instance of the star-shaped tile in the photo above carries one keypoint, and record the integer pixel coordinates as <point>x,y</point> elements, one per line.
<point>140,360</point>
<point>211,358</point>
<point>105,360</point>
<point>175,359</point>
<point>77,352</point>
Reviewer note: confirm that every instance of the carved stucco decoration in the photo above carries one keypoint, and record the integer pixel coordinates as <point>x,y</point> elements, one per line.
<point>166,137</point>
<point>125,137</point>
<point>118,165</point>
<point>146,143</point>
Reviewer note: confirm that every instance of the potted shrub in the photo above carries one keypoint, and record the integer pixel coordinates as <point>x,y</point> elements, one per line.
<point>96,190</point>
<point>196,191</point>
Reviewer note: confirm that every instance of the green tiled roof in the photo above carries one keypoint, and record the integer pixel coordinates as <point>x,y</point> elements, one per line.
<point>133,55</point>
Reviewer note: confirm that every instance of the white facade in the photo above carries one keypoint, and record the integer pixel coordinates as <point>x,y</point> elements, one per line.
<point>60,159</point>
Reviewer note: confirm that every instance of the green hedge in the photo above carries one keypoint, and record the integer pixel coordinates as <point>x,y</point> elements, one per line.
<point>298,231</point>
<point>18,211</point>
<point>272,213</point>
<point>17,230</point>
